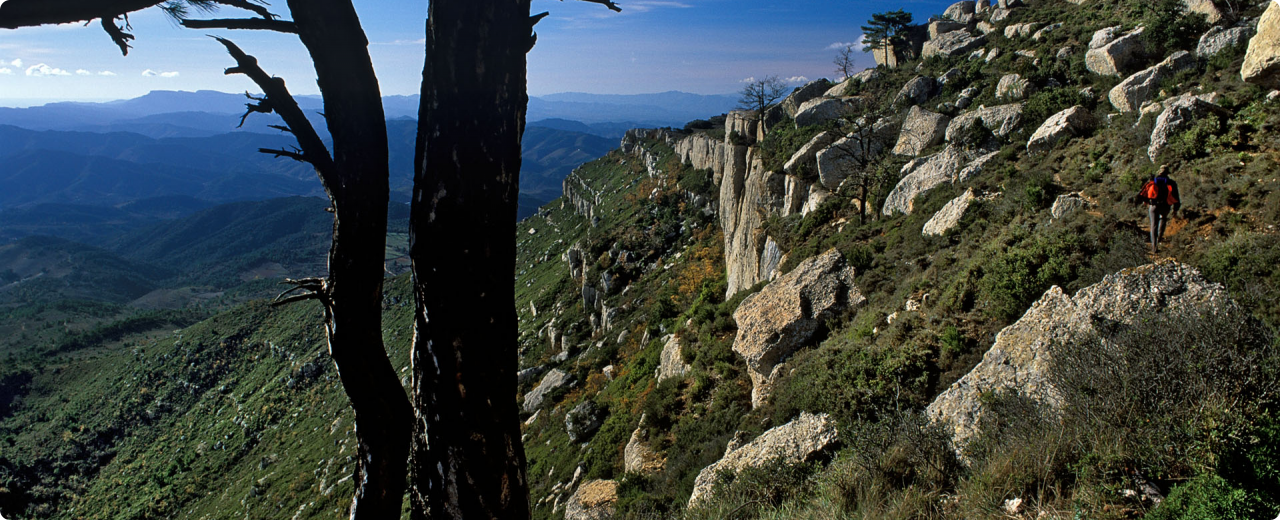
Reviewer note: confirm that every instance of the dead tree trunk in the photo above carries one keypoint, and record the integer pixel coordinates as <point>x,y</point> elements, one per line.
<point>467,459</point>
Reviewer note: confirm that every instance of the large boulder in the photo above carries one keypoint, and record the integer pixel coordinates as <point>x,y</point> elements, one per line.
<point>1067,204</point>
<point>916,91</point>
<point>954,43</point>
<point>949,216</point>
<point>1013,87</point>
<point>583,421</point>
<point>1044,32</point>
<point>924,174</point>
<point>940,27</point>
<point>1001,120</point>
<point>554,379</point>
<point>1020,30</point>
<point>820,110</point>
<point>1204,7</point>
<point>784,317</point>
<point>810,90</point>
<point>1072,122</point>
<point>1179,113</point>
<point>639,456</point>
<point>806,156</point>
<point>863,77</point>
<point>920,130</point>
<point>1262,59</point>
<point>594,500</point>
<point>1135,90</point>
<point>672,364</point>
<point>1021,359</point>
<point>796,442</point>
<point>960,11</point>
<point>1218,39</point>
<point>1113,54</point>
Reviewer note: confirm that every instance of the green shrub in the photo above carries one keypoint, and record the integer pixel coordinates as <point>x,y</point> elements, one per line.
<point>1044,104</point>
<point>1170,28</point>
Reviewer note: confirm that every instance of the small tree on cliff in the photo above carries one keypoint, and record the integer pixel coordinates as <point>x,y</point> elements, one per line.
<point>844,62</point>
<point>759,94</point>
<point>884,31</point>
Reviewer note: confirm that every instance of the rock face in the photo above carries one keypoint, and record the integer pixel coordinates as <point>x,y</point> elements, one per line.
<point>1131,93</point>
<point>916,91</point>
<point>594,500</point>
<point>1013,87</point>
<point>638,456</point>
<point>953,43</point>
<point>583,421</point>
<point>1218,39</point>
<point>922,175</point>
<point>806,156</point>
<point>1111,54</point>
<point>785,315</point>
<point>1072,122</point>
<point>949,216</point>
<point>1020,358</point>
<point>796,442</point>
<point>920,130</point>
<point>940,27</point>
<point>1067,204</point>
<point>554,379</point>
<point>1001,120</point>
<point>748,195</point>
<point>672,364</point>
<point>1178,114</point>
<point>820,110</point>
<point>1262,60</point>
<point>960,11</point>
<point>809,91</point>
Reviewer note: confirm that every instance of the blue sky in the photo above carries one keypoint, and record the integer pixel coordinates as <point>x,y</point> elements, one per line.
<point>700,46</point>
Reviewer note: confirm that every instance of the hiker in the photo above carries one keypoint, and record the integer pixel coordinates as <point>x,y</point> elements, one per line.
<point>1161,196</point>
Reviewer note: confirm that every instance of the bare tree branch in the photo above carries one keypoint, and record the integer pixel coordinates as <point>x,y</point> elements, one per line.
<point>259,24</point>
<point>117,33</point>
<point>295,155</point>
<point>316,289</point>
<point>280,101</point>
<point>612,6</point>
<point>249,6</point>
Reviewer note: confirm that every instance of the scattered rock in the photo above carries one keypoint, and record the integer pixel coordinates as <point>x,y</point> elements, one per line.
<point>1072,122</point>
<point>1204,7</point>
<point>949,76</point>
<point>672,364</point>
<point>1013,87</point>
<point>1110,54</point>
<point>999,15</point>
<point>953,43</point>
<point>985,28</point>
<point>1177,115</point>
<point>1067,204</point>
<point>916,91</point>
<point>554,379</point>
<point>1129,95</point>
<point>1019,30</point>
<point>1044,31</point>
<point>1218,39</point>
<point>960,11</point>
<point>920,130</point>
<point>940,27</point>
<point>1064,52</point>
<point>1020,357</point>
<point>594,500</point>
<point>810,90</point>
<point>583,421</point>
<point>796,442</point>
<point>949,216</point>
<point>527,375</point>
<point>806,156</point>
<point>923,174</point>
<point>1262,59</point>
<point>786,314</point>
<point>1009,4</point>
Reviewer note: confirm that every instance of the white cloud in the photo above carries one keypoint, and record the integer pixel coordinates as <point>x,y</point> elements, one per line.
<point>82,72</point>
<point>153,73</point>
<point>751,79</point>
<point>106,73</point>
<point>797,79</point>
<point>840,45</point>
<point>149,73</point>
<point>45,70</point>
<point>173,74</point>
<point>5,72</point>
<point>644,6</point>
<point>16,63</point>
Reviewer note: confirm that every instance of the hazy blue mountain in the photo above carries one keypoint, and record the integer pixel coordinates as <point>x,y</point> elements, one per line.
<point>93,224</point>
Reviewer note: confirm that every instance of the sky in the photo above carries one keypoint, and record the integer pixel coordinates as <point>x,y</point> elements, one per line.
<point>698,46</point>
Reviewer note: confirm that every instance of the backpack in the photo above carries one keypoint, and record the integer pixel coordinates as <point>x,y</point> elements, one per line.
<point>1158,191</point>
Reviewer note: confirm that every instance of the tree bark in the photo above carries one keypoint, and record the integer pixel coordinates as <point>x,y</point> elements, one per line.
<point>467,459</point>
<point>332,33</point>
